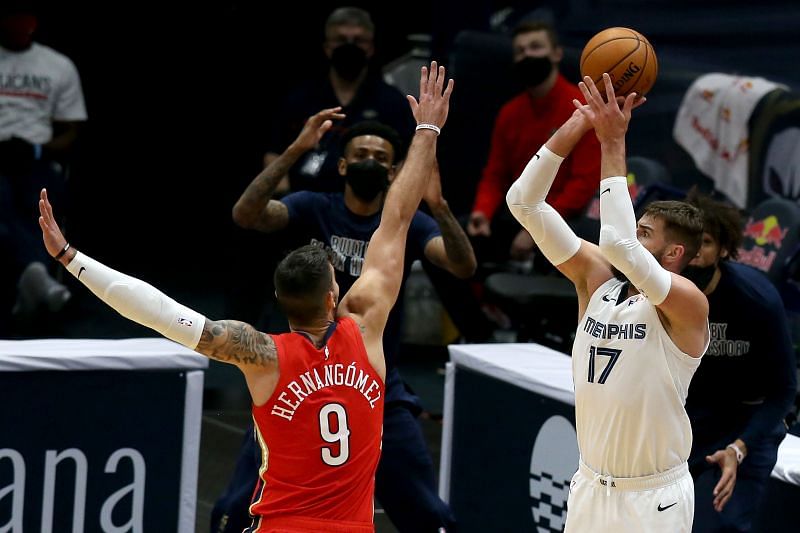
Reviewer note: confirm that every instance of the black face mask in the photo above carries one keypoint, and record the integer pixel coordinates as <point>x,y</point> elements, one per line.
<point>367,178</point>
<point>532,71</point>
<point>700,276</point>
<point>348,60</point>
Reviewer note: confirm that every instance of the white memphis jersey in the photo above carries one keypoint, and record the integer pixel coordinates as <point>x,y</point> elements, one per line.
<point>631,383</point>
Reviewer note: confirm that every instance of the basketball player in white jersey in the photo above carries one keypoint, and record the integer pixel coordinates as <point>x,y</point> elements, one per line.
<point>642,329</point>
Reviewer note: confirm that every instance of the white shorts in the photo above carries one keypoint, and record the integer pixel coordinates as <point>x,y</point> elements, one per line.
<point>662,502</point>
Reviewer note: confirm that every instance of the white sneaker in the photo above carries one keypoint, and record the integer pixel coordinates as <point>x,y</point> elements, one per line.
<point>36,289</point>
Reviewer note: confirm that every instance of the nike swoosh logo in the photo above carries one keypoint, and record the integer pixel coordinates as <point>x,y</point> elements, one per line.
<point>81,272</point>
<point>605,191</point>
<point>606,298</point>
<point>667,507</point>
<point>537,156</point>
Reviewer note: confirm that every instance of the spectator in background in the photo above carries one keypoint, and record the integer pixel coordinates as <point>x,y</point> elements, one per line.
<point>523,124</point>
<point>343,223</point>
<point>349,83</point>
<point>41,107</point>
<point>746,385</point>
<point>310,479</point>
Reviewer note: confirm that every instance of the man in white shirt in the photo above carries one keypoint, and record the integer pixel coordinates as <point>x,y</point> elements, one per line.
<point>41,109</point>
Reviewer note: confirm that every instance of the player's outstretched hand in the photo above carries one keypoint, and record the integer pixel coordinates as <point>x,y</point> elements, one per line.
<point>434,97</point>
<point>610,121</point>
<point>54,240</point>
<point>727,481</point>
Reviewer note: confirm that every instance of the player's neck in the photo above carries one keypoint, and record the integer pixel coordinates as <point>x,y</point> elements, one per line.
<point>315,331</point>
<point>632,291</point>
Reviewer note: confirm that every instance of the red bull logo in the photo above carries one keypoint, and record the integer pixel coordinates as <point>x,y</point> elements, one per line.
<point>633,188</point>
<point>766,232</point>
<point>756,258</point>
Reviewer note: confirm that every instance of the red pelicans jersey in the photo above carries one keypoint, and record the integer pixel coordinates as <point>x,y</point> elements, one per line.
<point>320,436</point>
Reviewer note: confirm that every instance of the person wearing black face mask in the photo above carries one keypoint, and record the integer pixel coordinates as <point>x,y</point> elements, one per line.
<point>343,223</point>
<point>532,71</point>
<point>348,61</point>
<point>523,124</point>
<point>746,384</point>
<point>349,82</point>
<point>367,179</point>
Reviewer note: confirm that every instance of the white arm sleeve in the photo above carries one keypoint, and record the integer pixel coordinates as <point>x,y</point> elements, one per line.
<point>618,242</point>
<point>526,198</point>
<point>139,301</point>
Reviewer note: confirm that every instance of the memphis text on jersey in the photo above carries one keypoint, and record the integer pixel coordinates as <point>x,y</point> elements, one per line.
<point>614,331</point>
<point>331,374</point>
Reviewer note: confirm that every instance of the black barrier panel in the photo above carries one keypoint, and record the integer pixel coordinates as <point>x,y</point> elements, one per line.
<point>513,455</point>
<point>123,430</point>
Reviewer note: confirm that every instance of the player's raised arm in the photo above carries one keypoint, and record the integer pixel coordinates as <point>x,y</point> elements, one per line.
<point>225,340</point>
<point>375,292</point>
<point>578,260</point>
<point>678,299</point>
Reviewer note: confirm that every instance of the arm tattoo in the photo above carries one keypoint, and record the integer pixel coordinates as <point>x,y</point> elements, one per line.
<point>237,343</point>
<point>460,255</point>
<point>263,186</point>
<point>256,198</point>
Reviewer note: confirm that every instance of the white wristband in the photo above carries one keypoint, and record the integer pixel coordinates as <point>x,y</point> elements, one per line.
<point>738,451</point>
<point>426,126</point>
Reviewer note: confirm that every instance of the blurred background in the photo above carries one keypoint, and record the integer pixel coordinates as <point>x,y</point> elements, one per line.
<point>180,97</point>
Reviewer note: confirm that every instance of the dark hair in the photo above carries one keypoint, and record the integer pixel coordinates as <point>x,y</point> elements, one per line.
<point>350,16</point>
<point>302,279</point>
<point>720,220</point>
<point>378,129</point>
<point>537,25</point>
<point>683,224</point>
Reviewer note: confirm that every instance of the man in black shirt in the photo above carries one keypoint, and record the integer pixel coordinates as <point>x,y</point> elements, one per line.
<point>744,388</point>
<point>349,83</point>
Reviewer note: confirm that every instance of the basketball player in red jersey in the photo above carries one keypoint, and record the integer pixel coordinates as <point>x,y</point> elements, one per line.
<point>317,391</point>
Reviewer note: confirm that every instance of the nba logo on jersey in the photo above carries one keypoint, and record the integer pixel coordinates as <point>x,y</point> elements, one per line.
<point>553,462</point>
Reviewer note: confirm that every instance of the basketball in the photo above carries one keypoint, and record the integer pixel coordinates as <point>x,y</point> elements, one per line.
<point>626,55</point>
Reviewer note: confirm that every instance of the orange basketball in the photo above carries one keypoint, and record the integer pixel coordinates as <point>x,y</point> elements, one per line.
<point>626,55</point>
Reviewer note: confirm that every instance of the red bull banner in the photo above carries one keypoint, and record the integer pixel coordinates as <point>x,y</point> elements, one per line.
<point>765,233</point>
